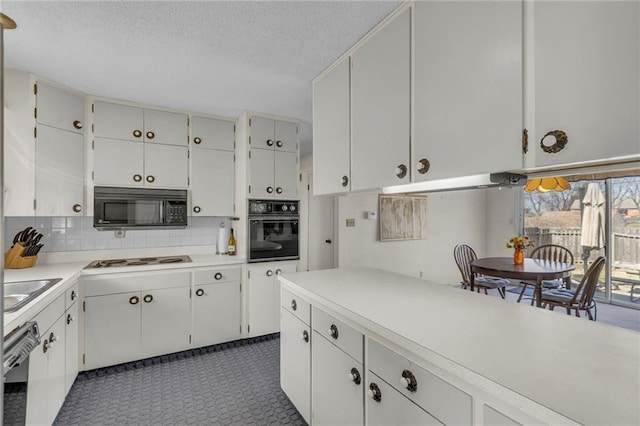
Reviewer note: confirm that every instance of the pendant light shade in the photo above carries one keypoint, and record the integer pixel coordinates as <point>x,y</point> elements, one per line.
<point>7,23</point>
<point>547,184</point>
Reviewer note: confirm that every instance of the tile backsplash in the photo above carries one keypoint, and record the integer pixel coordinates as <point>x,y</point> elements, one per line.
<point>78,233</point>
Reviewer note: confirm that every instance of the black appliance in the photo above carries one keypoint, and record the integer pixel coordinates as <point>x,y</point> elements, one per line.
<point>273,230</point>
<point>126,208</point>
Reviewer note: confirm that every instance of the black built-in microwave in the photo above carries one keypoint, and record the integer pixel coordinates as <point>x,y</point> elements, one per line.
<point>125,208</point>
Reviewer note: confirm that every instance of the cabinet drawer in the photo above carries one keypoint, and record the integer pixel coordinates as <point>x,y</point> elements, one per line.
<point>139,281</point>
<point>71,296</point>
<point>444,401</point>
<point>217,275</point>
<point>297,306</point>
<point>48,316</point>
<point>339,333</point>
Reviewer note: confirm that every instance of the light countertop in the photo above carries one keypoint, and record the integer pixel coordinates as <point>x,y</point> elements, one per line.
<point>70,271</point>
<point>587,371</point>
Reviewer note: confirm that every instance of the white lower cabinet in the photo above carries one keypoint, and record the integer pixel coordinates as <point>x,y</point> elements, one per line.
<point>295,362</point>
<point>71,346</point>
<point>46,388</point>
<point>386,406</point>
<point>123,325</point>
<point>263,303</point>
<point>338,383</point>
<point>216,306</point>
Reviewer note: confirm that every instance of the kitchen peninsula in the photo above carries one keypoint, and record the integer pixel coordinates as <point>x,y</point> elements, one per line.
<point>502,362</point>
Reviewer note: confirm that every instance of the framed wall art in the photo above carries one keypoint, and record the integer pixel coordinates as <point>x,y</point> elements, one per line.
<point>403,217</point>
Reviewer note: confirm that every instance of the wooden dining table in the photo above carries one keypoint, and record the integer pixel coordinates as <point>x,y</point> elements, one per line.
<point>532,270</point>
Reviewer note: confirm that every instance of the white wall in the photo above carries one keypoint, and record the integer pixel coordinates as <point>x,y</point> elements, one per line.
<point>453,217</point>
<point>501,222</point>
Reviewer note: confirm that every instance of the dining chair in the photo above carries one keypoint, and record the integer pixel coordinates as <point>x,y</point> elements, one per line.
<point>553,252</point>
<point>464,255</point>
<point>580,299</point>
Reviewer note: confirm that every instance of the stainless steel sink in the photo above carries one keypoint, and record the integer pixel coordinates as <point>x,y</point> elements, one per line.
<point>19,293</point>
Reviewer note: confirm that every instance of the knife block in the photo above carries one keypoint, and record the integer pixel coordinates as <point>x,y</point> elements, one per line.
<point>13,258</point>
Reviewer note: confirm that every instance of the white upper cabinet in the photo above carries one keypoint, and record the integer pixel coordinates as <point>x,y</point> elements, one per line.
<point>212,182</point>
<point>59,108</point>
<point>59,172</point>
<point>331,131</point>
<point>467,114</point>
<point>212,167</point>
<point>381,101</point>
<point>212,133</point>
<point>273,158</point>
<point>139,147</point>
<point>586,81</point>
<point>273,134</point>
<point>116,121</point>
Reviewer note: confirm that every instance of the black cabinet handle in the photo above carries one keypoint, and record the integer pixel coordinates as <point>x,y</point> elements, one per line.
<point>408,381</point>
<point>279,144</point>
<point>77,124</point>
<point>269,273</point>
<point>137,178</point>
<point>305,336</point>
<point>151,135</point>
<point>269,142</point>
<point>73,295</point>
<point>137,133</point>
<point>269,189</point>
<point>279,190</point>
<point>196,209</point>
<point>345,181</point>
<point>424,166</point>
<point>151,179</point>
<point>333,331</point>
<point>374,392</point>
<point>69,319</point>
<point>354,376</point>
<point>294,305</point>
<point>199,292</point>
<point>197,141</point>
<point>327,241</point>
<point>218,276</point>
<point>77,208</point>
<point>148,298</point>
<point>134,300</point>
<point>401,171</point>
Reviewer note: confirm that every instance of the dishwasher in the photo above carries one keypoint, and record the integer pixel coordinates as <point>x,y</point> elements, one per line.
<point>15,366</point>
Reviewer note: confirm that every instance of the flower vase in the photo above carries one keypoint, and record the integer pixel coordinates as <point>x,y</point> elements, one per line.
<point>518,256</point>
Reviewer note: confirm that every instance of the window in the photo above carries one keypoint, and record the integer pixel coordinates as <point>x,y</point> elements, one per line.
<point>597,216</point>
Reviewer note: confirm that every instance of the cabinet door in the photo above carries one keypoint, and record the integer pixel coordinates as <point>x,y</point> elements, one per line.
<point>213,134</point>
<point>166,166</point>
<point>216,313</point>
<point>112,329</point>
<point>286,136</point>
<point>166,321</point>
<point>56,365</point>
<point>393,408</point>
<point>116,121</point>
<point>587,79</point>
<point>166,127</point>
<point>71,346</point>
<point>264,308</point>
<point>262,133</point>
<point>59,108</point>
<point>59,172</point>
<point>467,88</point>
<point>261,171</point>
<point>37,402</point>
<point>212,182</point>
<point>286,174</point>
<point>338,394</point>
<point>295,362</point>
<point>380,83</point>
<point>118,163</point>
<point>331,131</point>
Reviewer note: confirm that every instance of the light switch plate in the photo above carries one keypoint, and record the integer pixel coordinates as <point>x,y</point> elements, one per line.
<point>351,223</point>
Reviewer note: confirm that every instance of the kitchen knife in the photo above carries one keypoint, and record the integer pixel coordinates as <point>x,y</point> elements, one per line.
<point>23,235</point>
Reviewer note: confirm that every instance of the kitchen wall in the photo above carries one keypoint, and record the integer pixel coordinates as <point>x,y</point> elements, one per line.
<point>77,233</point>
<point>482,218</point>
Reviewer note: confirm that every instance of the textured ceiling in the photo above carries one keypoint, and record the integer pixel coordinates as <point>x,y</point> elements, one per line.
<point>216,57</point>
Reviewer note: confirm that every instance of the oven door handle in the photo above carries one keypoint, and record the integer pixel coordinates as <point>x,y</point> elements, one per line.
<point>271,219</point>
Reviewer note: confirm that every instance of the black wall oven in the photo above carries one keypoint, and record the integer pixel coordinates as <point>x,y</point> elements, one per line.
<point>273,230</point>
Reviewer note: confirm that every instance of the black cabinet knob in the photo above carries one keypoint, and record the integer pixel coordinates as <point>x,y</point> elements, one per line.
<point>151,135</point>
<point>218,276</point>
<point>148,298</point>
<point>408,381</point>
<point>374,392</point>
<point>354,376</point>
<point>269,142</point>
<point>137,133</point>
<point>196,209</point>
<point>199,292</point>
<point>305,336</point>
<point>197,141</point>
<point>333,331</point>
<point>294,305</point>
<point>134,300</point>
<point>77,124</point>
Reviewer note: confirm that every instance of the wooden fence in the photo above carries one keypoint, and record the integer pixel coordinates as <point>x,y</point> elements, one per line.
<point>626,242</point>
